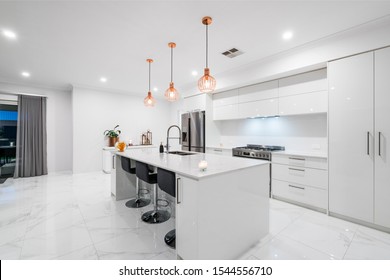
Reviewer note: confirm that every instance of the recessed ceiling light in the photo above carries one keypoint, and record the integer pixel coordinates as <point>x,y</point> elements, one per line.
<point>26,74</point>
<point>155,89</point>
<point>287,35</point>
<point>194,73</point>
<point>9,34</point>
<point>103,79</point>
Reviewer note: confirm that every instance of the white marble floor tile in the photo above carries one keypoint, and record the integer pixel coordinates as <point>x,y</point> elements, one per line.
<point>138,244</point>
<point>369,244</point>
<point>13,233</point>
<point>86,253</point>
<point>11,251</point>
<point>167,255</point>
<point>55,244</point>
<point>318,231</point>
<point>73,216</point>
<point>46,221</point>
<point>109,227</point>
<point>284,248</point>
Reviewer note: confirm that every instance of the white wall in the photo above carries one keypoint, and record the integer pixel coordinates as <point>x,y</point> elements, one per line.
<point>302,133</point>
<point>59,123</point>
<point>95,111</point>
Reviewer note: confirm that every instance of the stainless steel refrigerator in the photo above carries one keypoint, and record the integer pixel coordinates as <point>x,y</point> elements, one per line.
<point>193,131</point>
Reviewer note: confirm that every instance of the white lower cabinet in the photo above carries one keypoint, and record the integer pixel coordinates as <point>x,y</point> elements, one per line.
<point>295,179</point>
<point>186,218</point>
<point>108,161</point>
<point>113,173</point>
<point>300,193</point>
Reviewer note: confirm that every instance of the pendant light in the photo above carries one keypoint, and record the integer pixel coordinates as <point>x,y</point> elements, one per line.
<point>171,94</point>
<point>149,101</point>
<point>207,82</point>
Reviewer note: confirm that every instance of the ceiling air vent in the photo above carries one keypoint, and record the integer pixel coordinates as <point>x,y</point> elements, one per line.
<point>232,53</point>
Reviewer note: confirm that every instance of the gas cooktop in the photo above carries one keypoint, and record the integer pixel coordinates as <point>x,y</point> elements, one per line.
<point>256,151</point>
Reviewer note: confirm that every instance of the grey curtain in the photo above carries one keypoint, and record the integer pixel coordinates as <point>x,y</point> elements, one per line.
<point>31,138</point>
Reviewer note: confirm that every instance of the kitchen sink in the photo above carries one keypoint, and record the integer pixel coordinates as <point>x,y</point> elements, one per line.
<point>180,153</point>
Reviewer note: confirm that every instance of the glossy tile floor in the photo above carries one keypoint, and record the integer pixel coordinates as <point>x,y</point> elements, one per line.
<point>65,216</point>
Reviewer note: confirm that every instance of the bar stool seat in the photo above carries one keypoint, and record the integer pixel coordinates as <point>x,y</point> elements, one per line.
<point>167,182</point>
<point>136,202</point>
<point>155,216</point>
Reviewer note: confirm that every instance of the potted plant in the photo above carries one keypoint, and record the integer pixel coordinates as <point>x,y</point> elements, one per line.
<point>112,135</point>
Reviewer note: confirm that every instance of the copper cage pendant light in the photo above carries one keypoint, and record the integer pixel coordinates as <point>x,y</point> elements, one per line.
<point>149,101</point>
<point>171,94</point>
<point>207,83</point>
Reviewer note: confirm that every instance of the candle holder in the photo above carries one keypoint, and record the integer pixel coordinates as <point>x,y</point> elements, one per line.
<point>202,165</point>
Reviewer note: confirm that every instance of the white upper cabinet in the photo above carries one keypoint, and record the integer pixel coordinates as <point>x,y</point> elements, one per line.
<point>351,120</point>
<point>303,83</point>
<point>260,100</point>
<point>225,105</point>
<point>195,102</point>
<point>225,98</point>
<point>382,136</point>
<point>308,103</point>
<point>261,108</point>
<point>305,93</point>
<point>268,90</point>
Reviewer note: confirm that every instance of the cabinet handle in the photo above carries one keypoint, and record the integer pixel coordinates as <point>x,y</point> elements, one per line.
<point>296,169</point>
<point>177,191</point>
<point>295,158</point>
<point>218,150</point>
<point>296,187</point>
<point>368,143</point>
<point>113,162</point>
<point>379,146</point>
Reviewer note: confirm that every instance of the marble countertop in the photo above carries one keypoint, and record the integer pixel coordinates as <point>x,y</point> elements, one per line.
<point>130,147</point>
<point>188,165</point>
<point>302,153</point>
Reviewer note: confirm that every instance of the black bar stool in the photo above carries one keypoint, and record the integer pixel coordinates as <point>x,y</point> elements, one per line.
<point>154,216</point>
<point>167,182</point>
<point>136,202</point>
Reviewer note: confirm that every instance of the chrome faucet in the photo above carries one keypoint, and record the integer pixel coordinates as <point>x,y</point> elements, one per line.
<point>173,137</point>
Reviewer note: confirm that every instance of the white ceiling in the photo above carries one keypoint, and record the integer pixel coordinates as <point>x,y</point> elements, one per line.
<point>62,43</point>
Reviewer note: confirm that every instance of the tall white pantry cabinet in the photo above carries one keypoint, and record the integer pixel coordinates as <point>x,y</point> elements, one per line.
<point>359,130</point>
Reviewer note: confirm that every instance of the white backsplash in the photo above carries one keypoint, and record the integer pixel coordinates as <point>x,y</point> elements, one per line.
<point>301,133</point>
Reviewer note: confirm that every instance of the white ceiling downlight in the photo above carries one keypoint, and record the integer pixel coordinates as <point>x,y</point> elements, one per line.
<point>9,34</point>
<point>287,35</point>
<point>26,74</point>
<point>103,79</point>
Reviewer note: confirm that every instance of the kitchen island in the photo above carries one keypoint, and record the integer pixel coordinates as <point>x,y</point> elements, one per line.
<point>220,212</point>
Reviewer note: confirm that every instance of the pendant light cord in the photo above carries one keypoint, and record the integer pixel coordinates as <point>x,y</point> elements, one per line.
<point>207,44</point>
<point>149,76</point>
<point>171,64</point>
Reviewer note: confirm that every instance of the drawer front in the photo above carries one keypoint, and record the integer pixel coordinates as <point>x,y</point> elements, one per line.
<point>300,193</point>
<point>301,161</point>
<point>300,175</point>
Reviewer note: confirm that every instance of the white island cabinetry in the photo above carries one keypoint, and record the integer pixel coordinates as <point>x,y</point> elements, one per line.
<point>214,208</point>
